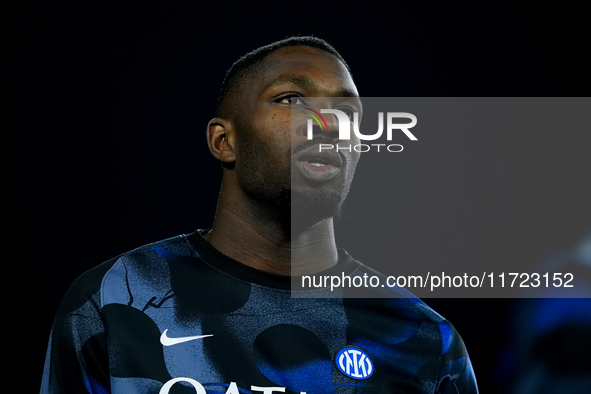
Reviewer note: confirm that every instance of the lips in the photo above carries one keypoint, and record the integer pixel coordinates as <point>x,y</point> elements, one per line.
<point>319,166</point>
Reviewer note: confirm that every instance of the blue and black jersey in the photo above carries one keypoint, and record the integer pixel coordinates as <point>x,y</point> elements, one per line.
<point>178,316</point>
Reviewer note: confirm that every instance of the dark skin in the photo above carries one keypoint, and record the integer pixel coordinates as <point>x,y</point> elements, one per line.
<point>253,230</point>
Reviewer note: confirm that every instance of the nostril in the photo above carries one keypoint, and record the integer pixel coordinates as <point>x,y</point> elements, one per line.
<point>333,134</point>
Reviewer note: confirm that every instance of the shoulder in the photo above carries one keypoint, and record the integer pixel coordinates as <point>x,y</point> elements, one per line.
<point>144,260</point>
<point>410,321</point>
<point>407,325</point>
<point>401,307</point>
<point>398,299</point>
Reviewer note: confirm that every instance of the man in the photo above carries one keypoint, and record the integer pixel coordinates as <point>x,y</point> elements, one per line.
<point>212,311</point>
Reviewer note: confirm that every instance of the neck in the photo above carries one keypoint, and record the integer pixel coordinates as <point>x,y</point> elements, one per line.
<point>262,241</point>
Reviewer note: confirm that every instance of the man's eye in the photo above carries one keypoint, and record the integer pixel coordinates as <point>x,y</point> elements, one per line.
<point>349,112</point>
<point>292,100</point>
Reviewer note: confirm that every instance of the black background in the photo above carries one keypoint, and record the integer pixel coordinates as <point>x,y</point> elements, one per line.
<point>107,151</point>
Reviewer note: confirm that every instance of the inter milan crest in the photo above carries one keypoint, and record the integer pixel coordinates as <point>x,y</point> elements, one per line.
<point>354,362</point>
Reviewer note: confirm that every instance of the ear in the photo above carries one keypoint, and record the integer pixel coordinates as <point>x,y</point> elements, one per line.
<point>221,139</point>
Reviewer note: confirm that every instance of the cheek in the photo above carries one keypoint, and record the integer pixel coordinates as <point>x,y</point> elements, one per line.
<point>280,124</point>
<point>267,138</point>
<point>268,153</point>
<point>354,159</point>
<point>270,123</point>
<point>352,167</point>
<point>277,135</point>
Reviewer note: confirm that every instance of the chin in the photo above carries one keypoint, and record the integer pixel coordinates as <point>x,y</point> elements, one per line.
<point>309,208</point>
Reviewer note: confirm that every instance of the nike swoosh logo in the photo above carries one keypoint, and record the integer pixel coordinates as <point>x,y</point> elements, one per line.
<point>166,341</point>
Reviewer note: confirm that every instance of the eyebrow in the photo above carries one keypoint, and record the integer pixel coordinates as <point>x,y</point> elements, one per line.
<point>307,83</point>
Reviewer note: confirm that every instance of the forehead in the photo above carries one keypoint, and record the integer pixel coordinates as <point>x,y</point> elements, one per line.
<point>325,75</point>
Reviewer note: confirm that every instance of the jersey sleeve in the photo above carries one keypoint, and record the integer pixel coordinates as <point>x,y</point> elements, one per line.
<point>456,374</point>
<point>77,358</point>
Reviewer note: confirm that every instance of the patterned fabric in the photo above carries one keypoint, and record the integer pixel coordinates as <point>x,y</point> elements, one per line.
<point>177,316</point>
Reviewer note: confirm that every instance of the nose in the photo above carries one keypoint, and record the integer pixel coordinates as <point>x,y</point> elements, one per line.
<point>332,129</point>
<point>325,125</point>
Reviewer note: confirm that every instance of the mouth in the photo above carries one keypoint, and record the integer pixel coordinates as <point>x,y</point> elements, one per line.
<point>319,166</point>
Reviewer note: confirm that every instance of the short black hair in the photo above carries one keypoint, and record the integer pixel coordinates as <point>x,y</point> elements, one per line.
<point>247,63</point>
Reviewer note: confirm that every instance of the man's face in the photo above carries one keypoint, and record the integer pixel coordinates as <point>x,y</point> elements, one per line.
<point>275,162</point>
